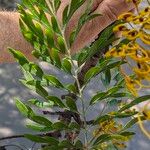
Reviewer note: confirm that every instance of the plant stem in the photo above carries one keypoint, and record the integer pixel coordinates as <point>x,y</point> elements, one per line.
<point>75,71</point>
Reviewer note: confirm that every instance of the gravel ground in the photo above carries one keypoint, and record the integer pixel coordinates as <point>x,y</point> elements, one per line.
<point>12,123</point>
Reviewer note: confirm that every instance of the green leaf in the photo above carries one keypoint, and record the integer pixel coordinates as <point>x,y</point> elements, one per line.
<point>98,97</point>
<point>22,60</point>
<point>40,90</point>
<point>41,104</point>
<point>65,14</point>
<point>132,122</point>
<point>74,125</point>
<point>135,102</point>
<point>39,30</point>
<point>91,73</point>
<point>71,88</point>
<point>74,5</point>
<point>79,144</point>
<point>55,57</point>
<point>53,81</point>
<point>66,65</point>
<point>114,115</point>
<point>59,126</point>
<point>61,44</point>
<point>83,19</point>
<point>55,25</point>
<point>127,133</point>
<point>39,139</point>
<point>41,120</point>
<point>38,127</point>
<point>106,137</point>
<point>24,109</point>
<point>105,39</point>
<point>119,95</point>
<point>107,79</point>
<point>65,144</point>
<point>102,67</point>
<point>57,4</point>
<point>35,138</point>
<point>103,95</point>
<point>56,101</point>
<point>71,103</point>
<point>102,138</point>
<point>50,38</point>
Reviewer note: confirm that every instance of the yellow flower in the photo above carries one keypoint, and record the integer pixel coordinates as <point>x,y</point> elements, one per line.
<point>145,37</point>
<point>131,34</point>
<point>120,27</point>
<point>133,85</point>
<point>141,55</point>
<point>130,49</point>
<point>141,74</point>
<point>146,111</point>
<point>146,26</point>
<point>126,17</point>
<point>139,20</point>
<point>145,12</point>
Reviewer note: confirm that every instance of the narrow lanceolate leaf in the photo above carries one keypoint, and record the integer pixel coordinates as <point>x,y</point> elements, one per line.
<point>102,138</point>
<point>105,39</point>
<point>71,103</point>
<point>79,144</point>
<point>41,120</point>
<point>53,81</point>
<point>98,97</point>
<point>65,144</point>
<point>36,86</point>
<point>65,14</point>
<point>38,127</point>
<point>66,65</point>
<point>54,53</point>
<point>30,67</point>
<point>103,95</point>
<point>106,137</point>
<point>41,104</point>
<point>61,44</point>
<point>112,116</point>
<point>55,25</point>
<point>56,100</point>
<point>132,122</point>
<point>22,60</point>
<point>71,88</point>
<point>40,90</point>
<point>39,30</point>
<point>24,109</point>
<point>59,126</point>
<point>49,38</point>
<point>135,102</point>
<point>74,5</point>
<point>104,67</point>
<point>107,78</point>
<point>92,73</point>
<point>74,125</point>
<point>39,139</point>
<point>83,19</point>
<point>57,4</point>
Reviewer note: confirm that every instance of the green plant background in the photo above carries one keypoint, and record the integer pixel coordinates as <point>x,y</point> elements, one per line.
<point>10,87</point>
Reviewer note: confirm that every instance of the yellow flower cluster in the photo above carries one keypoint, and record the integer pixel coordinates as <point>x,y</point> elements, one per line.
<point>135,28</point>
<point>111,127</point>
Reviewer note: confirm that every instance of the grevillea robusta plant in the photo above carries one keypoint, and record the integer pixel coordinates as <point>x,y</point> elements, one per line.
<point>71,129</point>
